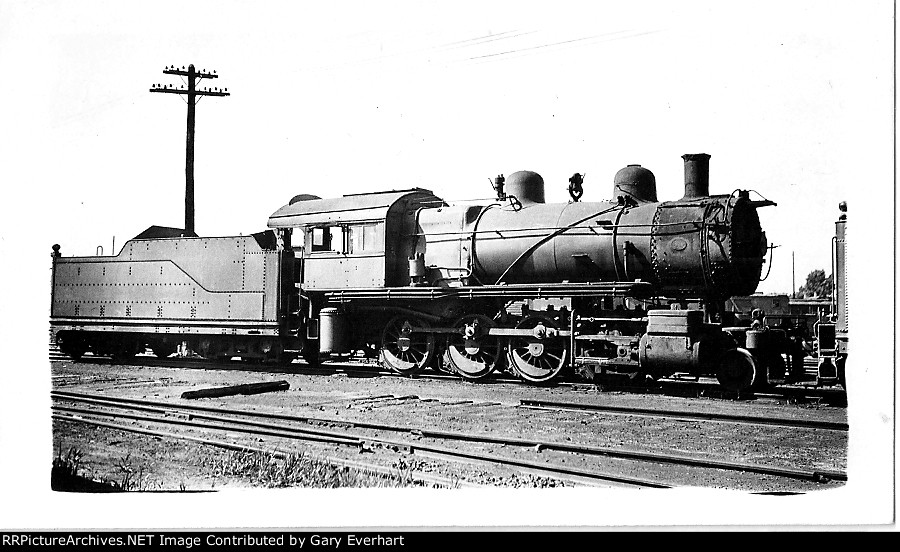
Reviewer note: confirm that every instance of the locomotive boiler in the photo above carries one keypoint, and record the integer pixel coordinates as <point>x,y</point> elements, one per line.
<point>540,289</point>
<point>700,245</point>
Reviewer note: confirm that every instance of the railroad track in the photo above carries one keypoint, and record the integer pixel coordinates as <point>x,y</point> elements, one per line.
<point>528,455</point>
<point>684,415</point>
<point>309,429</point>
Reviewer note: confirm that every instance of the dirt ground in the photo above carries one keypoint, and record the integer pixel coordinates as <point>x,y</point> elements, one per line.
<point>141,462</point>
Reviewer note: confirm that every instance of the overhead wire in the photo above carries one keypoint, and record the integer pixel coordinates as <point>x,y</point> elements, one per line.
<point>447,46</point>
<point>533,49</point>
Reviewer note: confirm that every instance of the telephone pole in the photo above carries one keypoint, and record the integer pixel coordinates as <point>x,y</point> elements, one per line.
<point>191,91</point>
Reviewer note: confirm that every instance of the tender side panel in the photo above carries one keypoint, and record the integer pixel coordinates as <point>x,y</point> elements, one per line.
<point>218,264</point>
<point>182,282</point>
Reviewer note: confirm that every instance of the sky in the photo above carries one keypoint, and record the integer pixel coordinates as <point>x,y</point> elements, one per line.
<point>793,99</point>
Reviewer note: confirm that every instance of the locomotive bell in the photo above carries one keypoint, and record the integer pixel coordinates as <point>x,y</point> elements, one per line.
<point>636,182</point>
<point>526,186</point>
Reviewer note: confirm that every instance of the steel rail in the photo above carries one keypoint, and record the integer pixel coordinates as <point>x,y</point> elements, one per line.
<point>261,429</point>
<point>806,475</point>
<point>371,469</point>
<point>365,442</point>
<point>678,414</point>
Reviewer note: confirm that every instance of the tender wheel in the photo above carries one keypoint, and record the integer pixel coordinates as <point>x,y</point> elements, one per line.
<point>310,352</point>
<point>471,353</point>
<point>276,357</point>
<point>164,350</point>
<point>120,348</point>
<point>403,350</point>
<point>72,347</point>
<point>125,352</point>
<point>737,370</point>
<point>540,358</point>
<point>75,352</point>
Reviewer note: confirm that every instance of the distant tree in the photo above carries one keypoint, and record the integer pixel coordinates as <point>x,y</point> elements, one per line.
<point>817,285</point>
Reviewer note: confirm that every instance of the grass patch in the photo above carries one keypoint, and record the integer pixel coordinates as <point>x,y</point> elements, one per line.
<point>302,470</point>
<point>66,476</point>
<point>253,468</point>
<point>133,479</point>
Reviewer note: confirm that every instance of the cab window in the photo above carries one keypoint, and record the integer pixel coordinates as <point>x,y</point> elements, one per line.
<point>364,238</point>
<point>328,239</point>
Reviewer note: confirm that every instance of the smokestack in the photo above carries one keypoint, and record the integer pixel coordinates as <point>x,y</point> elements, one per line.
<point>696,175</point>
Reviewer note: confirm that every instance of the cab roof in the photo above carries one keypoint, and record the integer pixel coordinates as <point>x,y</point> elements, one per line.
<point>350,208</point>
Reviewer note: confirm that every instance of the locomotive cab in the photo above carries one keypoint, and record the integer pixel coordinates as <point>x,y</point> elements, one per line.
<point>354,241</point>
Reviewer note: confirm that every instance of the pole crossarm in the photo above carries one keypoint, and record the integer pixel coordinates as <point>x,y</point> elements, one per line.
<point>199,74</point>
<point>186,91</point>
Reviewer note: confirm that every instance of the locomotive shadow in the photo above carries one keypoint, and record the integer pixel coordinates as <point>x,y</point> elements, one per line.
<point>690,389</point>
<point>800,393</point>
<point>240,366</point>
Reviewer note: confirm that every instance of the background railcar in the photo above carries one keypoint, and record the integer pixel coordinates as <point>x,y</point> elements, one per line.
<point>833,334</point>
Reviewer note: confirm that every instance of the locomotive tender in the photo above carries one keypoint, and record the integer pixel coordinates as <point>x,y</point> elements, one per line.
<point>539,288</point>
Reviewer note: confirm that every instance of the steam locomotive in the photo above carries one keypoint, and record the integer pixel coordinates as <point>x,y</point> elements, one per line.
<point>630,285</point>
